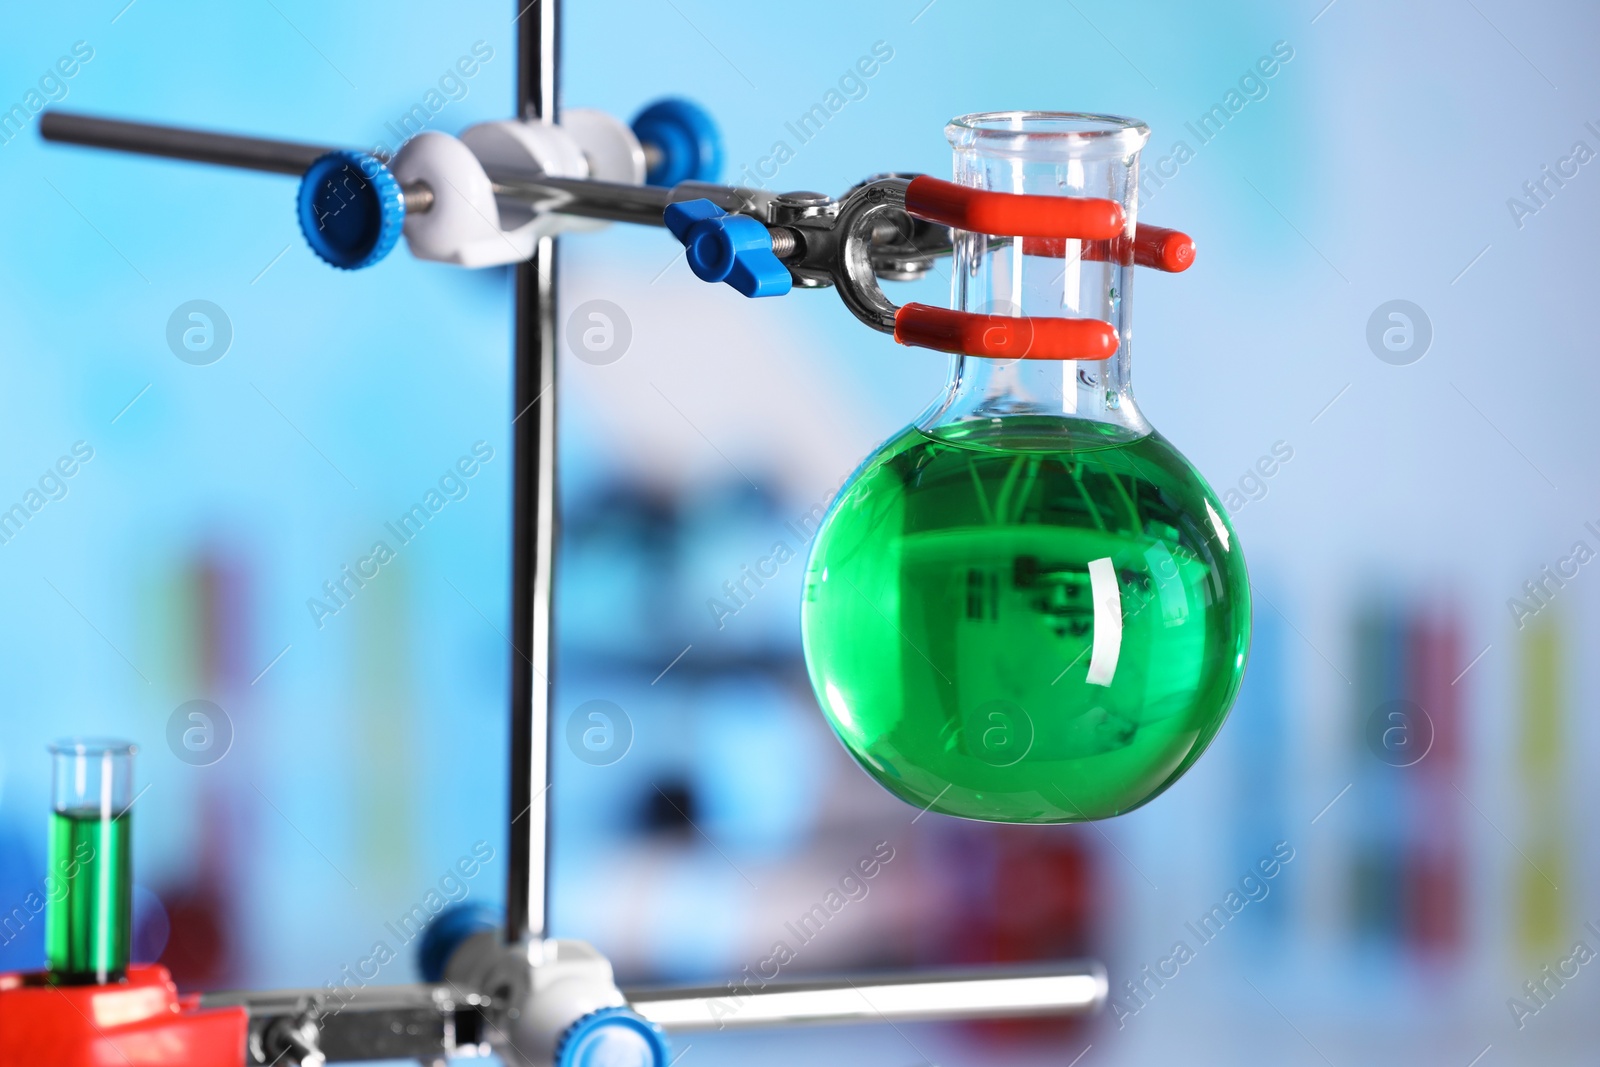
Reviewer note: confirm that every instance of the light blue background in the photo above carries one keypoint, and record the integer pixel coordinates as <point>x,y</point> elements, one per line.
<point>369,757</point>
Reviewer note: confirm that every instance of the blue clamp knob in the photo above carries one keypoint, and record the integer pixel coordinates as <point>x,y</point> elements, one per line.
<point>613,1037</point>
<point>447,933</point>
<point>351,209</point>
<point>728,248</point>
<point>688,146</point>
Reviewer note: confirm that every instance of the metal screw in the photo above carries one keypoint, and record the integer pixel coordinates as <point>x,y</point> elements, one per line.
<point>785,242</point>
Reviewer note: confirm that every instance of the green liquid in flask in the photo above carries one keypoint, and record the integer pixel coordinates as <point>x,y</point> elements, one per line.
<point>89,926</point>
<point>1025,619</point>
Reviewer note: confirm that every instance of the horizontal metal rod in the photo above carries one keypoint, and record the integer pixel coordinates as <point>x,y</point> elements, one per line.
<point>994,993</point>
<point>358,998</point>
<point>423,1021</point>
<point>174,142</point>
<point>348,1024</point>
<point>619,202</point>
<point>612,201</point>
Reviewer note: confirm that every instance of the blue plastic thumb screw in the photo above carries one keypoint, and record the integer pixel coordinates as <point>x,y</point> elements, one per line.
<point>728,248</point>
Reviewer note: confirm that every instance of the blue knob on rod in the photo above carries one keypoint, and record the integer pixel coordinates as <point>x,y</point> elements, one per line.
<point>351,209</point>
<point>681,142</point>
<point>613,1037</point>
<point>448,932</point>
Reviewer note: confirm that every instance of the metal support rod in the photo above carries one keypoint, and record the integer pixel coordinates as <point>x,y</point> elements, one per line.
<point>533,516</point>
<point>612,201</point>
<point>342,1025</point>
<point>618,202</point>
<point>174,142</point>
<point>338,1024</point>
<point>1066,989</point>
<point>428,1021</point>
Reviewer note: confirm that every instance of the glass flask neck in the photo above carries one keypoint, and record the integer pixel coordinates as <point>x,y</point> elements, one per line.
<point>1045,154</point>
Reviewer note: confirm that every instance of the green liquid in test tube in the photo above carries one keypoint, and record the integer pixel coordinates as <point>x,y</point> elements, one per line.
<point>89,926</point>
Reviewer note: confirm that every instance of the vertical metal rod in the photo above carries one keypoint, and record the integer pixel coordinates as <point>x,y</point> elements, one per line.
<point>533,504</point>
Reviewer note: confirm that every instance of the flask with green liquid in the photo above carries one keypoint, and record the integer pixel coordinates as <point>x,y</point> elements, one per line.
<point>89,924</point>
<point>1028,606</point>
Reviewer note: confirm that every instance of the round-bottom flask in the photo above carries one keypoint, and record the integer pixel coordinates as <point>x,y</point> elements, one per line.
<point>1028,606</point>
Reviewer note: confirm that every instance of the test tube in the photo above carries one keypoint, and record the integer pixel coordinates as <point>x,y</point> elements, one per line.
<point>89,925</point>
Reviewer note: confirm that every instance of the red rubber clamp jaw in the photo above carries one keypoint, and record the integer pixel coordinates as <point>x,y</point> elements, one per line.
<point>1013,214</point>
<point>1003,336</point>
<point>1152,246</point>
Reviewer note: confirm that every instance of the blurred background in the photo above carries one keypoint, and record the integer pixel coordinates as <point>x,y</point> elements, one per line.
<point>1394,232</point>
